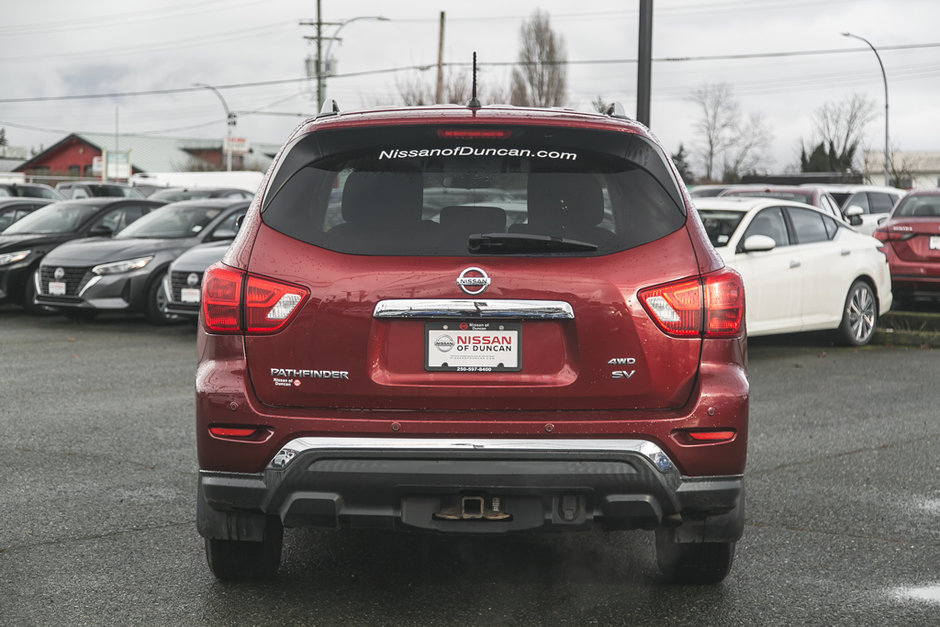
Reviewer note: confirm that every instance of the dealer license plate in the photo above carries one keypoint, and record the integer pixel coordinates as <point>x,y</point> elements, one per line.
<point>935,242</point>
<point>190,295</point>
<point>468,346</point>
<point>56,288</point>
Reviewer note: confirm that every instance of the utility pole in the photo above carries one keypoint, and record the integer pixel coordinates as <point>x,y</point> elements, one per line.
<point>439,92</point>
<point>323,67</point>
<point>644,58</point>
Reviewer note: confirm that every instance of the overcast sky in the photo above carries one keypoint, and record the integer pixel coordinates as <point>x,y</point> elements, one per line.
<point>58,48</point>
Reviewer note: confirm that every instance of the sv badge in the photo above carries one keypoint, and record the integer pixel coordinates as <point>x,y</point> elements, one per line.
<point>622,361</point>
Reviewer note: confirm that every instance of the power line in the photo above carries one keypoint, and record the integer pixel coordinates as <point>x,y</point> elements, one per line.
<point>682,59</point>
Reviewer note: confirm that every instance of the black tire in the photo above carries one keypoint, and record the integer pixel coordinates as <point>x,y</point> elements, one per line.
<point>155,308</point>
<point>692,563</point>
<point>241,560</point>
<point>859,315</point>
<point>29,293</point>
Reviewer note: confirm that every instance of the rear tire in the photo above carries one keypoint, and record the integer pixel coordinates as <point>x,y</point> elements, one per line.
<point>859,315</point>
<point>695,562</point>
<point>241,560</point>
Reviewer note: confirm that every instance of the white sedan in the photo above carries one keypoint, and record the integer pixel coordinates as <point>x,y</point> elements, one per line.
<point>803,270</point>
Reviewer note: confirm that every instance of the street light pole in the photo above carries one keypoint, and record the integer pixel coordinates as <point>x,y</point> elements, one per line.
<point>229,121</point>
<point>884,77</point>
<point>323,57</point>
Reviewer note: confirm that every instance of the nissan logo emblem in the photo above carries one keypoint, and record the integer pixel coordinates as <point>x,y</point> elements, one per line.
<point>473,281</point>
<point>59,273</point>
<point>192,280</point>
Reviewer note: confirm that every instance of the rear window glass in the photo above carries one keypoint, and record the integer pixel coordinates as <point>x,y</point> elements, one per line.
<point>918,207</point>
<point>720,225</point>
<point>460,192</point>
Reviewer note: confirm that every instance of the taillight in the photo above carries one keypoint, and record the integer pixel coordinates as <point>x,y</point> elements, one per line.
<point>712,306</point>
<point>234,301</point>
<point>894,233</point>
<point>221,299</point>
<point>270,304</point>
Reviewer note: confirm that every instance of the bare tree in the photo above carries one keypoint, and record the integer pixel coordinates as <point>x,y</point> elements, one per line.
<point>540,79</point>
<point>737,146</point>
<point>901,168</point>
<point>417,91</point>
<point>840,126</point>
<point>747,149</point>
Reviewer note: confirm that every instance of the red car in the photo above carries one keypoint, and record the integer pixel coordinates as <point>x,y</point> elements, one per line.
<point>806,194</point>
<point>574,357</point>
<point>912,238</point>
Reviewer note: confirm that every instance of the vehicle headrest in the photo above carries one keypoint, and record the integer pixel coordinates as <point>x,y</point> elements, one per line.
<point>383,197</point>
<point>565,200</point>
<point>474,219</point>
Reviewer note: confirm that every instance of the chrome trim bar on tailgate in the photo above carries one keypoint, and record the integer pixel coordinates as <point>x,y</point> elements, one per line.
<point>467,308</point>
<point>642,447</point>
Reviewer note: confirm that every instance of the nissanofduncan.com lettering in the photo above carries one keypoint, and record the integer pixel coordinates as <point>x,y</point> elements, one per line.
<point>469,151</point>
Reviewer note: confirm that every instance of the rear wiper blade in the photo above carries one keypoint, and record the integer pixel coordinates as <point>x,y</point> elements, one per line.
<point>524,243</point>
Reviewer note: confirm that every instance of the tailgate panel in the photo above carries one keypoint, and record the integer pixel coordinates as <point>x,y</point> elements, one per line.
<point>343,352</point>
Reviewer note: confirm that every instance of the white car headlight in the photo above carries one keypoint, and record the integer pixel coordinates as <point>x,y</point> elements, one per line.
<point>118,267</point>
<point>8,258</point>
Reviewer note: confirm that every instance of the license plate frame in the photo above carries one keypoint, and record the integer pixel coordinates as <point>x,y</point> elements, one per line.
<point>57,288</point>
<point>473,346</point>
<point>934,242</point>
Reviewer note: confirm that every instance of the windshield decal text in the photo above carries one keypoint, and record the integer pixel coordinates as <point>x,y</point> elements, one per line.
<point>469,151</point>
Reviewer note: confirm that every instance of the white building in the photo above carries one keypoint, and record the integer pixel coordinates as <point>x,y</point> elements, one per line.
<point>916,170</point>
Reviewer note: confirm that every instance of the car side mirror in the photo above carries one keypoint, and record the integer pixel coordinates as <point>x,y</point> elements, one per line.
<point>854,214</point>
<point>758,243</point>
<point>100,230</point>
<point>221,234</point>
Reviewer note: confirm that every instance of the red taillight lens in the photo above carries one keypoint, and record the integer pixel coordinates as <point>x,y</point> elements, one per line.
<point>711,436</point>
<point>268,305</point>
<point>221,299</point>
<point>724,303</point>
<point>894,234</point>
<point>233,432</point>
<point>704,436</point>
<point>676,307</point>
<point>712,306</point>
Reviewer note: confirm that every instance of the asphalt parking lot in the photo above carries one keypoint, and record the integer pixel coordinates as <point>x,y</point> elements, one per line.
<point>97,517</point>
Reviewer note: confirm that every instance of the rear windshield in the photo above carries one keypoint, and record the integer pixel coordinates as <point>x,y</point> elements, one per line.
<point>462,192</point>
<point>171,222</point>
<point>56,218</point>
<point>918,207</point>
<point>720,225</point>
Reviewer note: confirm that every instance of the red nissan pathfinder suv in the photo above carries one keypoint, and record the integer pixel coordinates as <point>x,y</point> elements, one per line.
<point>479,320</point>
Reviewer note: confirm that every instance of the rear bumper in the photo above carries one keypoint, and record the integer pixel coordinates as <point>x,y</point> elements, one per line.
<point>916,283</point>
<point>510,485</point>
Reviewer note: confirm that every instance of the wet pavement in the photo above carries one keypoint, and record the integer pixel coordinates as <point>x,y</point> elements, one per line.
<point>97,517</point>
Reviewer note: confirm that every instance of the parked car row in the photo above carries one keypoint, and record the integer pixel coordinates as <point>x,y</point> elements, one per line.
<point>907,224</point>
<point>88,255</point>
<point>803,269</point>
<point>862,206</point>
